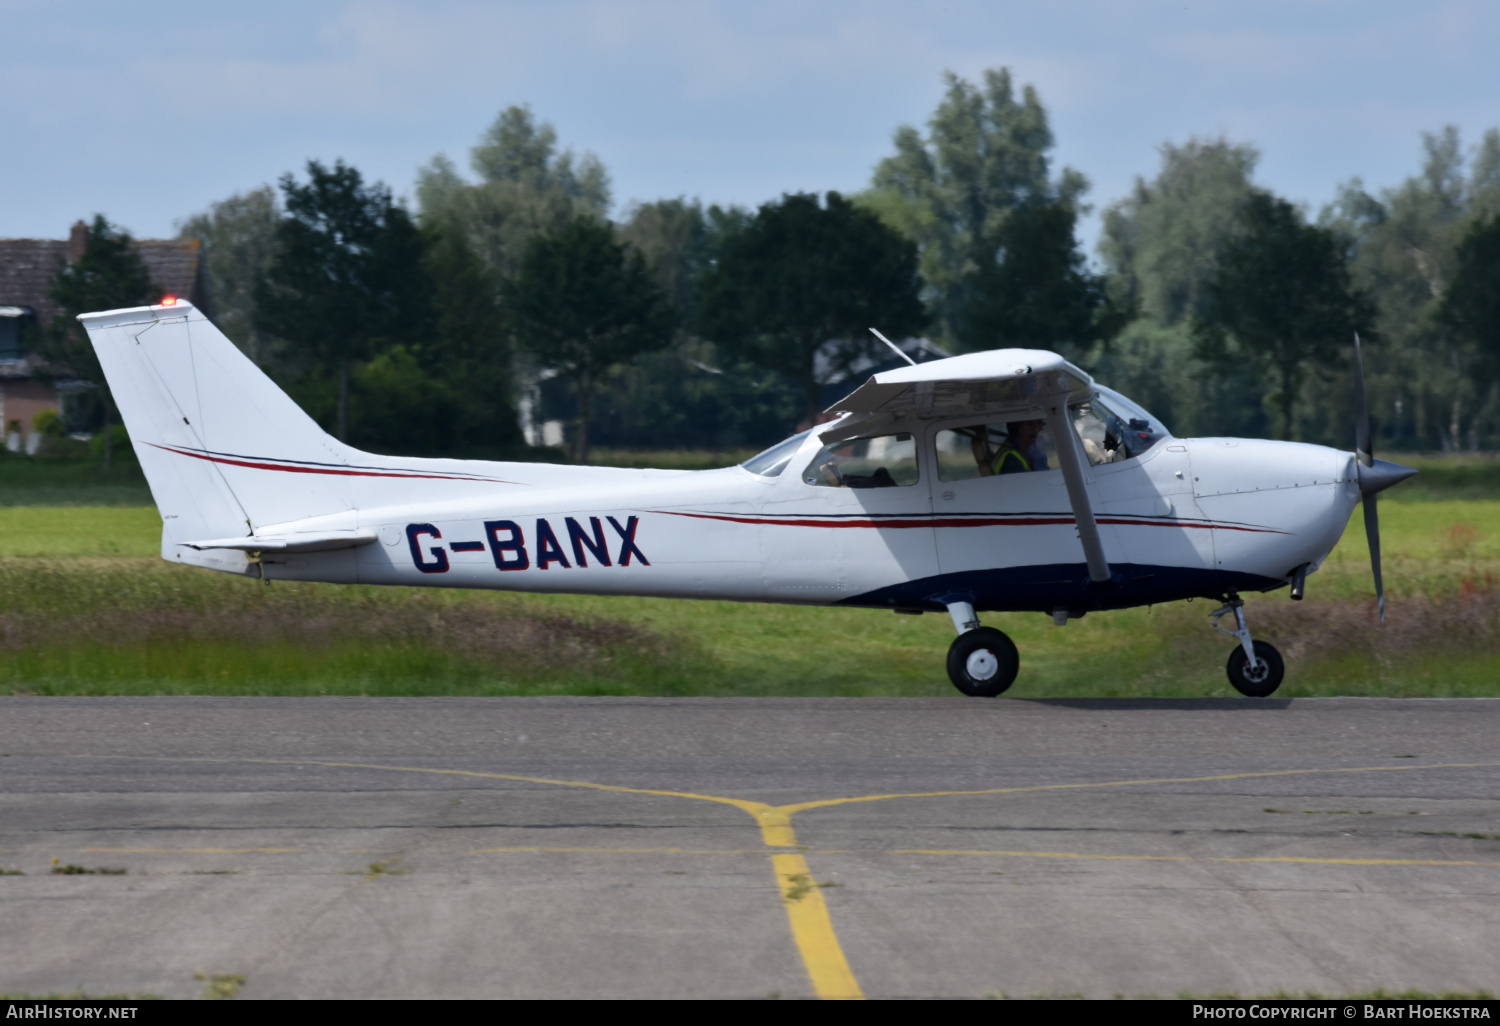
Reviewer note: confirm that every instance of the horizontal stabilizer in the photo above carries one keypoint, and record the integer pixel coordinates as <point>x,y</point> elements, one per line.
<point>301,541</point>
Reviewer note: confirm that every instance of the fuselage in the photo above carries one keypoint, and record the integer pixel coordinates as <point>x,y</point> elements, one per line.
<point>1189,517</point>
<point>903,501</point>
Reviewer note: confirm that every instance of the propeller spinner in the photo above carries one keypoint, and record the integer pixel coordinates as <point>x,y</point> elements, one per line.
<point>1374,475</point>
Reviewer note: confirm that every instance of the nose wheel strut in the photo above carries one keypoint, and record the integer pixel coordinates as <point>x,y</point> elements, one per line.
<point>1255,668</point>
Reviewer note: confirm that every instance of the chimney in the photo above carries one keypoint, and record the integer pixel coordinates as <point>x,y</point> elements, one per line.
<point>78,242</point>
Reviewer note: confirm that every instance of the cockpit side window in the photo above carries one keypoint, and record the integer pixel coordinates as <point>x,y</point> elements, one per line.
<point>884,461</point>
<point>1100,444</point>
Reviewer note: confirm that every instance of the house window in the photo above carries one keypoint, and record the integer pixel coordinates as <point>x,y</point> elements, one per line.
<point>10,332</point>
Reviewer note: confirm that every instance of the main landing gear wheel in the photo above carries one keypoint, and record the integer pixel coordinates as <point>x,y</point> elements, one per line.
<point>1259,681</point>
<point>983,662</point>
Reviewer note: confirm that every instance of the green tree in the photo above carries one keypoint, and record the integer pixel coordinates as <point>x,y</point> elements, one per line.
<point>1281,300</point>
<point>799,277</point>
<point>1033,290</point>
<point>1160,247</point>
<point>985,155</point>
<point>582,303</point>
<point>1471,305</point>
<point>239,241</point>
<point>679,240</point>
<point>517,149</point>
<point>1403,242</point>
<point>1162,242</point>
<point>694,394</point>
<point>451,393</point>
<point>471,351</point>
<point>526,187</point>
<point>400,407</point>
<point>347,280</point>
<point>108,276</point>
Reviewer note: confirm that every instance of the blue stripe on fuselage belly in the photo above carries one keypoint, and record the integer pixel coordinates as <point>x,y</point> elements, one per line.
<point>1047,587</point>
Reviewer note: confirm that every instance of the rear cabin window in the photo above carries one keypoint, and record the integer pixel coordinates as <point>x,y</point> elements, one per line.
<point>884,461</point>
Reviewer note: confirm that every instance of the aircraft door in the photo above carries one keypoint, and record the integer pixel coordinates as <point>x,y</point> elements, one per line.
<point>1000,506</point>
<point>848,519</point>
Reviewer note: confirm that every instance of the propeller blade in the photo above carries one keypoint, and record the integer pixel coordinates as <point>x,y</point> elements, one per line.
<point>1372,534</point>
<point>1362,444</point>
<point>1374,475</point>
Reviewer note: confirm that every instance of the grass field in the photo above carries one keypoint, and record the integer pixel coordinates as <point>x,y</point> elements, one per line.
<point>87,608</point>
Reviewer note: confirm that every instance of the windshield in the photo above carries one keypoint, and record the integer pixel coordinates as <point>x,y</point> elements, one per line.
<point>774,460</point>
<point>1136,429</point>
<point>1129,409</point>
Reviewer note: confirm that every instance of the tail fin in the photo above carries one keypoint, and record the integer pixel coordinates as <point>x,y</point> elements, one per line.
<point>203,419</point>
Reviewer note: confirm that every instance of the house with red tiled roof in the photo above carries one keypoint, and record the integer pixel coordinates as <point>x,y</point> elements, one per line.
<point>27,267</point>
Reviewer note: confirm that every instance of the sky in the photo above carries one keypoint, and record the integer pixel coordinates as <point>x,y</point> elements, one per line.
<point>148,112</point>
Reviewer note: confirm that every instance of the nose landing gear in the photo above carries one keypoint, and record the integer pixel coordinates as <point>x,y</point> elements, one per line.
<point>982,662</point>
<point>1255,668</point>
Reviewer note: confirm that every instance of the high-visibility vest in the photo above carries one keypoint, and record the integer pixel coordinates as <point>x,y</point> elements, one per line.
<point>1009,451</point>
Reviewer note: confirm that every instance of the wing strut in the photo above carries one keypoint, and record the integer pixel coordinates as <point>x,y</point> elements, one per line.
<point>1070,457</point>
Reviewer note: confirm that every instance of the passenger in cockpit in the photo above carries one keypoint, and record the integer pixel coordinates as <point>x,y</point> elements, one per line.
<point>1017,454</point>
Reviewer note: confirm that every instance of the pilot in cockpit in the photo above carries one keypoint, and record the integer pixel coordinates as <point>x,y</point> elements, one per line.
<point>1019,452</point>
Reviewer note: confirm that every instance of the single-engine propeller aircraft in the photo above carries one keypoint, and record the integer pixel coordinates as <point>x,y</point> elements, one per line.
<point>1005,480</point>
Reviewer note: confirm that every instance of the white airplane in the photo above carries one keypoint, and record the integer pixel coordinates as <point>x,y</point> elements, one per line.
<point>905,502</point>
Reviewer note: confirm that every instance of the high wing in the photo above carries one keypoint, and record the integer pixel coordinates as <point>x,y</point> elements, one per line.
<point>1001,381</point>
<point>1003,384</point>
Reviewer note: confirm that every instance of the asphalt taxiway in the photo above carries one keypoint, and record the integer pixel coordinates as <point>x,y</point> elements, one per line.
<point>587,847</point>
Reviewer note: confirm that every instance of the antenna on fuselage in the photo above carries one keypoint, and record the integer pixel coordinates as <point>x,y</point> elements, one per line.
<point>894,348</point>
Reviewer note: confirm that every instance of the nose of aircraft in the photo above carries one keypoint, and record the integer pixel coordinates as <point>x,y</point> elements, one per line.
<point>1380,475</point>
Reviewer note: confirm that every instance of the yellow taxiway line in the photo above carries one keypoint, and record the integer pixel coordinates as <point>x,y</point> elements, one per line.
<point>827,802</point>
<point>990,852</point>
<point>1185,858</point>
<point>192,851</point>
<point>812,928</point>
<point>807,912</point>
<point>535,850</point>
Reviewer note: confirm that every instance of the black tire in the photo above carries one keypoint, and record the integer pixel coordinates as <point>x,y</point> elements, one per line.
<point>1256,686</point>
<point>1003,658</point>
